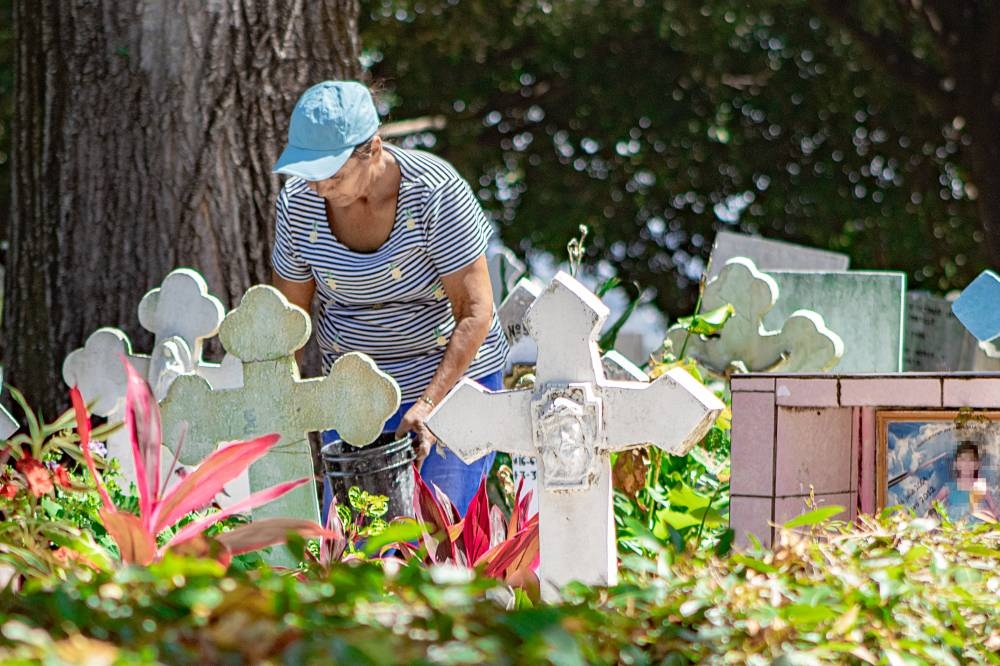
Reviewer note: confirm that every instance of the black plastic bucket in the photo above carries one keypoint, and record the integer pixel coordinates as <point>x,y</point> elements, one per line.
<point>384,467</point>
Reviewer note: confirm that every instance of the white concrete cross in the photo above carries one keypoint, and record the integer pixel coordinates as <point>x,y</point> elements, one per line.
<point>803,344</point>
<point>181,314</point>
<point>264,332</point>
<point>571,420</point>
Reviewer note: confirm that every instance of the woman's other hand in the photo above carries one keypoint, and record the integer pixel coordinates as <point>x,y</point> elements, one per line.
<point>415,421</point>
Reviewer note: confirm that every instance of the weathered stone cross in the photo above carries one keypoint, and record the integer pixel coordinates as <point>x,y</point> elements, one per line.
<point>571,420</point>
<point>264,332</point>
<point>803,344</point>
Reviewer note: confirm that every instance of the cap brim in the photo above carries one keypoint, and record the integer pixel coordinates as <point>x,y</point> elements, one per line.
<point>311,164</point>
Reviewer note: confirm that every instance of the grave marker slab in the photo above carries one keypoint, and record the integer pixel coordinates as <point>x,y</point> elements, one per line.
<point>800,342</point>
<point>769,254</point>
<point>264,332</point>
<point>570,421</point>
<point>865,308</point>
<point>936,341</point>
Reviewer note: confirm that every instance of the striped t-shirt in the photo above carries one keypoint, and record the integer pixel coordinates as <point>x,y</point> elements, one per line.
<point>390,303</point>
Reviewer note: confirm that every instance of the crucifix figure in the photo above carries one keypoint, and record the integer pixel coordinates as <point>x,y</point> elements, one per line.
<point>571,421</point>
<point>264,332</point>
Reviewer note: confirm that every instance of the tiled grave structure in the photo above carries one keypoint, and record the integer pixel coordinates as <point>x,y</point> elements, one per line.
<point>570,421</point>
<point>799,435</point>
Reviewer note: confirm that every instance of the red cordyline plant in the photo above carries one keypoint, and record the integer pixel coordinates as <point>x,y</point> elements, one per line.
<point>160,509</point>
<point>507,550</point>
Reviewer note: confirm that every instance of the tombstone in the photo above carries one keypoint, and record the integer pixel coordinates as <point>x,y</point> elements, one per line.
<point>180,314</point>
<point>513,309</point>
<point>571,420</point>
<point>770,255</point>
<point>8,424</point>
<point>264,332</point>
<point>505,270</point>
<point>865,308</point>
<point>936,341</point>
<point>799,343</point>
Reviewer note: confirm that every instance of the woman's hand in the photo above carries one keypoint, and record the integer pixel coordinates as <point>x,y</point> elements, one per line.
<point>414,420</point>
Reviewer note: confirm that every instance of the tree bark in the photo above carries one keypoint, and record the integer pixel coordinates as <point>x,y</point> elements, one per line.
<point>144,135</point>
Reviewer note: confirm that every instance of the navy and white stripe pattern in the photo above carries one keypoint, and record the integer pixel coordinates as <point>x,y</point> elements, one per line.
<point>390,303</point>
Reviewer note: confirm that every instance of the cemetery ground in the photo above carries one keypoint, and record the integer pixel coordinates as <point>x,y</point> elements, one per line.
<point>101,570</point>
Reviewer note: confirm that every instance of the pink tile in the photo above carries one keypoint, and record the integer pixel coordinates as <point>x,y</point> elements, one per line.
<point>813,451</point>
<point>972,392</point>
<point>818,392</point>
<point>744,383</point>
<point>786,508</point>
<point>856,425</point>
<point>866,464</point>
<point>751,515</point>
<point>752,454</point>
<point>891,392</point>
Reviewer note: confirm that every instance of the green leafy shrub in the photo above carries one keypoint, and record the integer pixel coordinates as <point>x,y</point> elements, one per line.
<point>895,589</point>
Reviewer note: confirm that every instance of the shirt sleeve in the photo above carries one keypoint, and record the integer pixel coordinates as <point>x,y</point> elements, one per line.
<point>457,228</point>
<point>284,258</point>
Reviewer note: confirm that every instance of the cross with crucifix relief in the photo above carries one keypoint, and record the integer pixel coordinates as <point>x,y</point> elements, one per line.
<point>571,420</point>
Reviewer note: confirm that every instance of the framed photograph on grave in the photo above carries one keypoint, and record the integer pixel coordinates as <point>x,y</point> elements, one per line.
<point>947,457</point>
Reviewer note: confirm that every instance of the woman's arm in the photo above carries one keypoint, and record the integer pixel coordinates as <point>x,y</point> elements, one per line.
<point>471,297</point>
<point>297,293</point>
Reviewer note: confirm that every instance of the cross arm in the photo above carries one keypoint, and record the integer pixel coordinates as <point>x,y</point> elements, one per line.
<point>673,413</point>
<point>472,421</point>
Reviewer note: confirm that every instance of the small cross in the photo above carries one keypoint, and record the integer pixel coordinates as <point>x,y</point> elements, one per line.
<point>571,421</point>
<point>181,314</point>
<point>804,343</point>
<point>264,332</point>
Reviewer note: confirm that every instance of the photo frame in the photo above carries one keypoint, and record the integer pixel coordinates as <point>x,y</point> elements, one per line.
<point>946,456</point>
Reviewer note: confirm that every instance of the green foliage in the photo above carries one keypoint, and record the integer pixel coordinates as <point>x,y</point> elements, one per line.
<point>656,123</point>
<point>895,589</point>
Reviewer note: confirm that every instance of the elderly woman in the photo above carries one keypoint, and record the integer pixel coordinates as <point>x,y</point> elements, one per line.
<point>392,242</point>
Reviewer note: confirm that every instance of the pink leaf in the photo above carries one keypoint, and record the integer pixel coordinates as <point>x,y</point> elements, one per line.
<point>268,532</point>
<point>518,552</point>
<point>202,485</point>
<point>331,548</point>
<point>429,511</point>
<point>476,530</point>
<point>136,544</point>
<point>196,527</point>
<point>83,428</point>
<point>142,423</point>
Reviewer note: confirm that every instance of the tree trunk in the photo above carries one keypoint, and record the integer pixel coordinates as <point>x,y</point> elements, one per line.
<point>144,135</point>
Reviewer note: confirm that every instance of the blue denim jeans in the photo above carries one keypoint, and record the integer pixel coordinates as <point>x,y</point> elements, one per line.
<point>458,480</point>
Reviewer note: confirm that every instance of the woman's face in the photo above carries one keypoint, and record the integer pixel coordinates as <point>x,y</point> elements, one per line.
<point>352,182</point>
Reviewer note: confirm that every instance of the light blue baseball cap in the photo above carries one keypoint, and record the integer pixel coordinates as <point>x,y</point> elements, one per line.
<point>328,122</point>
